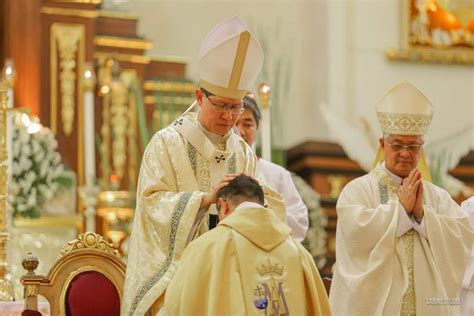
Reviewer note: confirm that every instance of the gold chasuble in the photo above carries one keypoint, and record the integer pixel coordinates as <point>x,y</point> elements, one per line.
<point>248,265</point>
<point>179,165</point>
<point>379,272</point>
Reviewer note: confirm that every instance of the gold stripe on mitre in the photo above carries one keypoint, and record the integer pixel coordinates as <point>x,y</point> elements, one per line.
<point>422,165</point>
<point>239,60</point>
<point>223,92</point>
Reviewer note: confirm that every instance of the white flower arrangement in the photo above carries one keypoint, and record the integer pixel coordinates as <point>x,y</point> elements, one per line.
<point>36,167</point>
<point>315,241</point>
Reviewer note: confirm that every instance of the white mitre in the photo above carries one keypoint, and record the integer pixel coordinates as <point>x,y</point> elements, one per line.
<point>230,59</point>
<point>404,110</point>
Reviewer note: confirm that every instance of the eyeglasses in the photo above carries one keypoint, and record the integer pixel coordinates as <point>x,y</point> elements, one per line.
<point>236,108</point>
<point>413,148</point>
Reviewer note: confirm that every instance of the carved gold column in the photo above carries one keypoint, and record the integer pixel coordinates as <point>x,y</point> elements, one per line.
<point>68,41</point>
<point>104,79</point>
<point>67,55</point>
<point>6,287</point>
<point>119,122</point>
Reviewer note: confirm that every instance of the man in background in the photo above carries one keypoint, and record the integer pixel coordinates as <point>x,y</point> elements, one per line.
<point>252,266</point>
<point>276,176</point>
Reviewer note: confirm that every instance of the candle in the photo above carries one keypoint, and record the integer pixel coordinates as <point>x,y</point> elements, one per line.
<point>89,126</point>
<point>264,93</point>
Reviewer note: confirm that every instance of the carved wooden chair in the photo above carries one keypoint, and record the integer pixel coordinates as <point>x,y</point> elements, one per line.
<point>87,279</point>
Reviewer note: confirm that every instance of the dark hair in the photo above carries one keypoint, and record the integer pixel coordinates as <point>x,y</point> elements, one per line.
<point>251,104</point>
<point>242,188</point>
<point>207,93</point>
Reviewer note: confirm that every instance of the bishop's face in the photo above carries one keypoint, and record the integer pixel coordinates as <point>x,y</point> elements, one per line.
<point>218,114</point>
<point>402,153</point>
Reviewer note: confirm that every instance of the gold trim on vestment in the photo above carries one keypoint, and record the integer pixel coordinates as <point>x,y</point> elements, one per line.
<point>223,92</point>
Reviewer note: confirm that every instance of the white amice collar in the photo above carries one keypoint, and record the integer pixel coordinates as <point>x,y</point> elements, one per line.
<point>248,204</point>
<point>394,177</point>
<point>213,137</point>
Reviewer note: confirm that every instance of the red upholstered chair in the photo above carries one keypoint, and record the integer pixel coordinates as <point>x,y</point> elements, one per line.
<point>87,280</point>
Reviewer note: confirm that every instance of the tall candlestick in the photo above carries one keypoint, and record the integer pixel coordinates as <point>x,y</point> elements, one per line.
<point>264,94</point>
<point>89,192</point>
<point>9,76</point>
<point>89,128</point>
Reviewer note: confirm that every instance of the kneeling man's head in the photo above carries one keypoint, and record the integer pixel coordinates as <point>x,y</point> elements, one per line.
<point>241,189</point>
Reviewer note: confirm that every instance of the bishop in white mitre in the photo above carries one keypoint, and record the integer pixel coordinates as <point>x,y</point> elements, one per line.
<point>402,243</point>
<point>185,163</point>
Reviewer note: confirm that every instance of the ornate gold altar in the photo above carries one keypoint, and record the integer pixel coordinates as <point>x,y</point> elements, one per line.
<point>436,31</point>
<point>115,211</point>
<point>134,95</point>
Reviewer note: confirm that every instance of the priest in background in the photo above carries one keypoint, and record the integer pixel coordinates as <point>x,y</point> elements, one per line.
<point>402,243</point>
<point>186,163</point>
<point>276,176</point>
<point>252,266</point>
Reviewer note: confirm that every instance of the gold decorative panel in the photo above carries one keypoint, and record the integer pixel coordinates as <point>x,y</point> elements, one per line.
<point>436,31</point>
<point>119,123</point>
<point>119,130</point>
<point>67,42</point>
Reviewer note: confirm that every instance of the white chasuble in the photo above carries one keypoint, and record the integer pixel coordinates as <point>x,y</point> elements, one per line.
<point>179,165</point>
<point>380,272</point>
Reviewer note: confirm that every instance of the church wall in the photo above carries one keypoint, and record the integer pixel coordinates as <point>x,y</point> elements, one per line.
<point>370,28</point>
<point>336,52</point>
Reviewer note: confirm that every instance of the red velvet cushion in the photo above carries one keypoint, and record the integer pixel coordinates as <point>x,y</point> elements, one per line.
<point>29,312</point>
<point>91,293</point>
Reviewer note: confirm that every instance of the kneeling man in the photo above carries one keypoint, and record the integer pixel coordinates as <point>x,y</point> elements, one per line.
<point>248,265</point>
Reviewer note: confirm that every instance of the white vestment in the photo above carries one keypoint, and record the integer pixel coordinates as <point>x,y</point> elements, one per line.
<point>180,164</point>
<point>382,269</point>
<point>467,292</point>
<point>279,179</point>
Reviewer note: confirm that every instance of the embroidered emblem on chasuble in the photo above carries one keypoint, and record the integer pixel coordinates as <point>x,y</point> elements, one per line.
<point>269,292</point>
<point>219,158</point>
<point>209,161</point>
<point>391,190</point>
<point>178,121</point>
